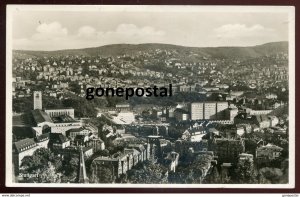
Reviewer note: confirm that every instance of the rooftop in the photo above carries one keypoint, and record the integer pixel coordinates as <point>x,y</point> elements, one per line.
<point>226,164</point>
<point>23,120</point>
<point>58,138</point>
<point>79,137</point>
<point>25,144</point>
<point>40,116</point>
<point>23,132</point>
<point>42,137</point>
<point>101,158</point>
<point>154,136</point>
<point>59,108</point>
<point>63,119</point>
<point>270,146</point>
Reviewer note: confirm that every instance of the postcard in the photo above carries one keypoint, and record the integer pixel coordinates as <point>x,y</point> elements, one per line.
<point>138,96</point>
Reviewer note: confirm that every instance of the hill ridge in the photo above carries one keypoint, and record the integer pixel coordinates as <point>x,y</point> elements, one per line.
<point>131,49</point>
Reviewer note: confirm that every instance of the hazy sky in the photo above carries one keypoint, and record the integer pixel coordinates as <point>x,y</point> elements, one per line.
<point>60,28</point>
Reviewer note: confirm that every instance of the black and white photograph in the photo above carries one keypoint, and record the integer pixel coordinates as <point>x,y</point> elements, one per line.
<point>150,96</point>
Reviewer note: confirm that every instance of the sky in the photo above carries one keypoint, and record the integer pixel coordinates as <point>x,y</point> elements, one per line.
<point>57,27</point>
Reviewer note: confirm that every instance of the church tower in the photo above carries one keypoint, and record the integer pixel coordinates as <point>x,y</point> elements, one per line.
<point>82,177</point>
<point>37,100</point>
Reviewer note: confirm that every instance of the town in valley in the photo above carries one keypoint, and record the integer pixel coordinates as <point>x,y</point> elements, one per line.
<point>226,123</point>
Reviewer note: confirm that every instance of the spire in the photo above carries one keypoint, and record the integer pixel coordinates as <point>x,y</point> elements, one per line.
<point>82,177</point>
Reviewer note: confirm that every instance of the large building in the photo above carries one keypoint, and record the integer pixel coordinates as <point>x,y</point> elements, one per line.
<point>60,112</point>
<point>58,142</point>
<point>27,147</point>
<point>124,118</point>
<point>86,131</point>
<point>262,121</point>
<point>97,144</point>
<point>40,121</point>
<point>197,111</point>
<point>208,110</point>
<point>268,153</point>
<point>60,124</point>
<point>120,163</point>
<point>231,113</point>
<point>228,150</point>
<point>181,115</point>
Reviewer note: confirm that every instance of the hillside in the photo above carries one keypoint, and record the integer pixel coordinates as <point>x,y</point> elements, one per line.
<point>131,49</point>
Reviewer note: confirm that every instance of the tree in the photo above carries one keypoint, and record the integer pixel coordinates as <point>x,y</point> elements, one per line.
<point>273,175</point>
<point>51,102</point>
<point>39,159</point>
<point>75,87</point>
<point>22,104</point>
<point>83,108</point>
<point>244,172</point>
<point>44,164</point>
<point>29,163</point>
<point>49,175</point>
<point>148,173</point>
<point>202,166</point>
<point>192,172</point>
<point>183,175</point>
<point>214,177</point>
<point>104,175</point>
<point>71,166</point>
<point>104,152</point>
<point>250,146</point>
<point>175,132</point>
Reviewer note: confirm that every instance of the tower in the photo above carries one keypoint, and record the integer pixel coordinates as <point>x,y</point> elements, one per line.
<point>167,130</point>
<point>37,100</point>
<point>154,140</point>
<point>82,177</point>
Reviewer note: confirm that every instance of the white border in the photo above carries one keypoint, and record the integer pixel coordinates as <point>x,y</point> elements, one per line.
<point>108,8</point>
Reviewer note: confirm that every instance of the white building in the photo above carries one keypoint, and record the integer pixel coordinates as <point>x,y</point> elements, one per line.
<point>59,112</point>
<point>208,110</point>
